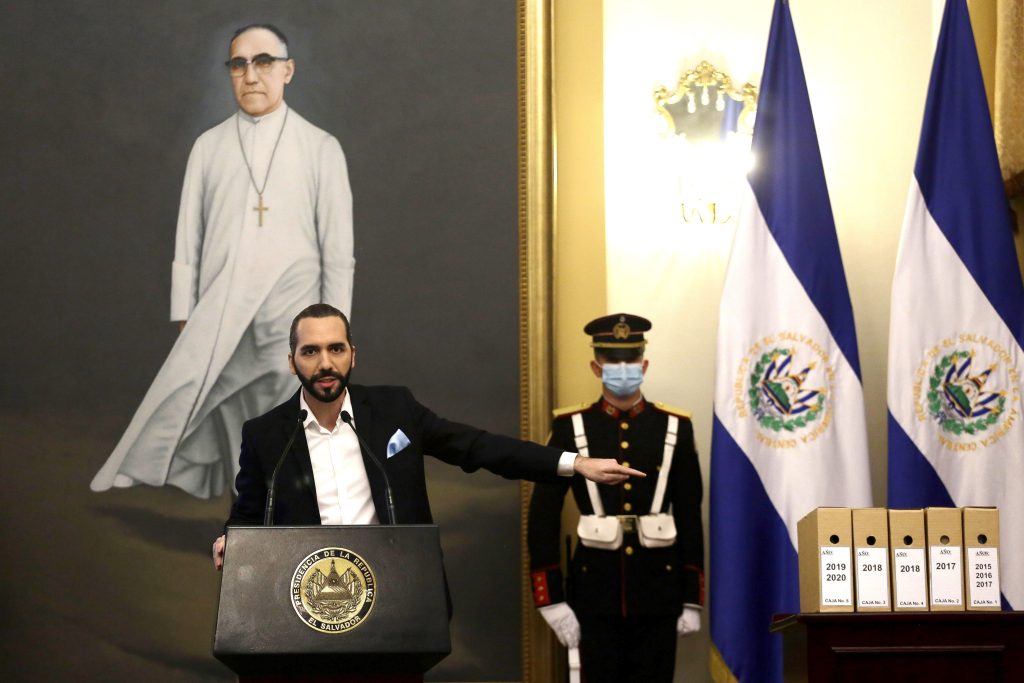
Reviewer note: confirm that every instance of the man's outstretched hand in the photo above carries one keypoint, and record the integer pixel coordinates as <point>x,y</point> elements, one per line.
<point>604,470</point>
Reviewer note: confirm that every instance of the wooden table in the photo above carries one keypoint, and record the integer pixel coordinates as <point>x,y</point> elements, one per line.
<point>911,647</point>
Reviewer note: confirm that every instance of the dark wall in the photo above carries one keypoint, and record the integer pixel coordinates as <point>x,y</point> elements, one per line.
<point>103,102</point>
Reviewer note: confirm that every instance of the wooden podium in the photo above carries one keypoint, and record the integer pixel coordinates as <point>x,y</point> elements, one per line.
<point>332,602</point>
<point>902,646</point>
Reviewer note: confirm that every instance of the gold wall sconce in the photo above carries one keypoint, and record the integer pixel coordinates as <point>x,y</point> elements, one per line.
<point>708,127</point>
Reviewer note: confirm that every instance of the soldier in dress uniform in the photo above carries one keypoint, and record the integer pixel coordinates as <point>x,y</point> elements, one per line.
<point>636,583</point>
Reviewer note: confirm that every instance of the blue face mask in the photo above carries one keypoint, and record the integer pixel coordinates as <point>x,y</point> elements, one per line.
<point>622,379</point>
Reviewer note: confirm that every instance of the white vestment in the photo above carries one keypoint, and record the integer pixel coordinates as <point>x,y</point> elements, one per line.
<point>239,284</point>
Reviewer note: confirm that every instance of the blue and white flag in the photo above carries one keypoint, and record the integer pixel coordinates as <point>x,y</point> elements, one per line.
<point>957,327</point>
<point>789,432</point>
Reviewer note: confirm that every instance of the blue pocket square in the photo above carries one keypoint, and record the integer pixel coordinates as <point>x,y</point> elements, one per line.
<point>398,441</point>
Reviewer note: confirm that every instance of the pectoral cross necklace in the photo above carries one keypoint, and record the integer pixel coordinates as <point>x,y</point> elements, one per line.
<point>261,207</point>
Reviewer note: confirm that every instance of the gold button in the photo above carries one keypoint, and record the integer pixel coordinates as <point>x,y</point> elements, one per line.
<point>629,550</point>
<point>624,445</point>
<point>668,567</point>
<point>583,568</point>
<point>627,486</point>
<point>659,468</point>
<point>624,425</point>
<point>627,507</point>
<point>625,463</point>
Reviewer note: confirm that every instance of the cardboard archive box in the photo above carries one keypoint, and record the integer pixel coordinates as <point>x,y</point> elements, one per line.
<point>945,530</point>
<point>871,559</point>
<point>981,558</point>
<point>826,566</point>
<point>909,567</point>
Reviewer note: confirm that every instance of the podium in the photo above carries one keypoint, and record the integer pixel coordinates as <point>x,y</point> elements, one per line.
<point>332,601</point>
<point>902,646</point>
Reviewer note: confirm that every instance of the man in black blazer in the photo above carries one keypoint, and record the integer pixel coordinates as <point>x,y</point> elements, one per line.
<point>390,421</point>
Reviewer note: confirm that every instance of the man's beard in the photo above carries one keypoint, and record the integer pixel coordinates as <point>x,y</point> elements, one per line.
<point>309,384</point>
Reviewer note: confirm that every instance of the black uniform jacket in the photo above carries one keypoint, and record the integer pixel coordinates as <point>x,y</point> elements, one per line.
<point>631,581</point>
<point>378,413</point>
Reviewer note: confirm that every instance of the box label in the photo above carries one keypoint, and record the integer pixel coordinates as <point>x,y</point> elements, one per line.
<point>983,577</point>
<point>872,577</point>
<point>946,576</point>
<point>836,577</point>
<point>910,578</point>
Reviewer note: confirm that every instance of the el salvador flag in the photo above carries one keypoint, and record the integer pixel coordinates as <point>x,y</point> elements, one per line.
<point>957,327</point>
<point>789,432</point>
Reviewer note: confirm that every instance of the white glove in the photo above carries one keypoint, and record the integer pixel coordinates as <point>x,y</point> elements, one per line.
<point>563,622</point>
<point>689,621</point>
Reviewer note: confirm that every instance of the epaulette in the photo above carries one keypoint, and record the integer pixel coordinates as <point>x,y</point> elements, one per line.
<point>575,408</point>
<point>672,410</point>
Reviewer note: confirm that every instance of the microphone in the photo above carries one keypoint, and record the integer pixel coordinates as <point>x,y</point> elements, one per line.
<point>347,419</point>
<point>268,513</point>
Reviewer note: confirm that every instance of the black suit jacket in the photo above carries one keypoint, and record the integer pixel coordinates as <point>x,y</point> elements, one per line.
<point>378,413</point>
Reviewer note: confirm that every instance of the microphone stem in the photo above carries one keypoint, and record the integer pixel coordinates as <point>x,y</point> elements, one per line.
<point>268,511</point>
<point>392,517</point>
<point>391,506</point>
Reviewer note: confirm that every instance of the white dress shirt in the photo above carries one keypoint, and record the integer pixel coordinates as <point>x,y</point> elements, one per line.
<point>342,487</point>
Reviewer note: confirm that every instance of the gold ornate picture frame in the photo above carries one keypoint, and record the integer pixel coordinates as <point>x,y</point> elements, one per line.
<point>536,218</point>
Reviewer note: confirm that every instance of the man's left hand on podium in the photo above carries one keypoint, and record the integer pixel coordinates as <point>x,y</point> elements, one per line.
<point>218,553</point>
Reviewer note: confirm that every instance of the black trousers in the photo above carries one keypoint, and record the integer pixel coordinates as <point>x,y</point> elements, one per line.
<point>631,649</point>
